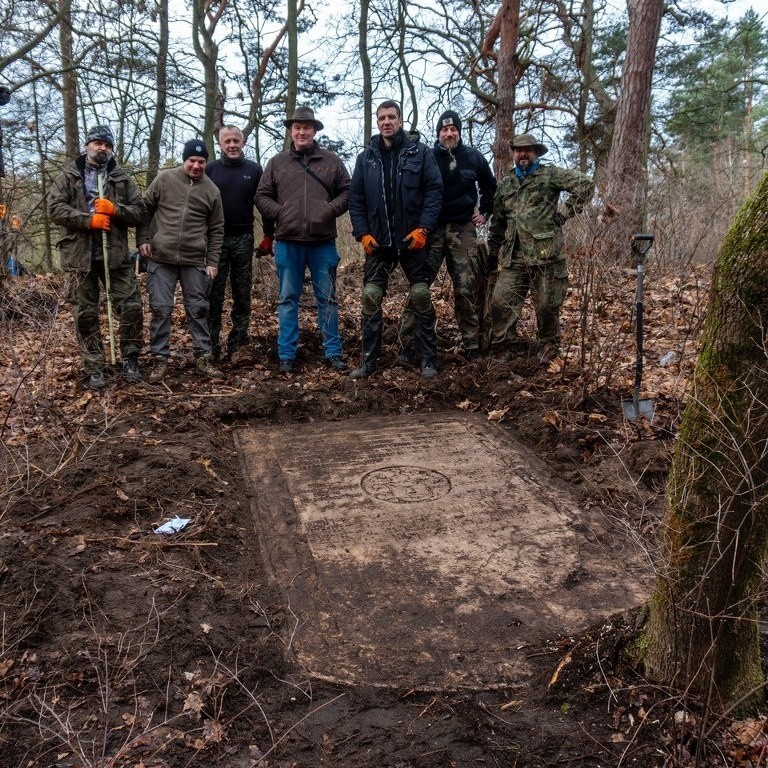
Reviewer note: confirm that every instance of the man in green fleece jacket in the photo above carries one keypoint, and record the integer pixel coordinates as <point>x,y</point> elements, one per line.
<point>186,218</point>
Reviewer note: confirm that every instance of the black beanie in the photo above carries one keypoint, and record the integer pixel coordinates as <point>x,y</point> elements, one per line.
<point>449,117</point>
<point>194,148</point>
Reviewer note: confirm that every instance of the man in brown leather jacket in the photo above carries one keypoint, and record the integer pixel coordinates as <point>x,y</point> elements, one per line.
<point>304,190</point>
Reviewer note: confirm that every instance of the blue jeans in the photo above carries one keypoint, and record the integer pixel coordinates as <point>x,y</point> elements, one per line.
<point>292,260</point>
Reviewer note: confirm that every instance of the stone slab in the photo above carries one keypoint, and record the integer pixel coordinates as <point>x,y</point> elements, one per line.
<point>428,552</point>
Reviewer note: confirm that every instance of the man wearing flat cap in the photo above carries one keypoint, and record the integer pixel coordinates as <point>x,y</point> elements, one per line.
<point>304,190</point>
<point>526,240</point>
<point>181,237</point>
<point>94,220</point>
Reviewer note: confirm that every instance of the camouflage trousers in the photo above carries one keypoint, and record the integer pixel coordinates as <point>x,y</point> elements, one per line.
<point>547,284</point>
<point>83,290</point>
<point>457,245</point>
<point>235,265</point>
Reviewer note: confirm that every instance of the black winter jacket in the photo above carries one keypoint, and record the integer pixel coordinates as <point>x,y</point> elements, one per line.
<point>418,193</point>
<point>460,184</point>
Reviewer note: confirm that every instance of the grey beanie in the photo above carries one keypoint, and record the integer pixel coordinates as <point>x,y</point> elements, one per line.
<point>100,133</point>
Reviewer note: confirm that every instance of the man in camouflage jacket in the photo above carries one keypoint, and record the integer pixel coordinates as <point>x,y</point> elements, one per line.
<point>526,240</point>
<point>94,228</point>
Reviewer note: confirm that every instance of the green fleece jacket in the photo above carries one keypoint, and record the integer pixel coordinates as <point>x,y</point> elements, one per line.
<point>185,220</point>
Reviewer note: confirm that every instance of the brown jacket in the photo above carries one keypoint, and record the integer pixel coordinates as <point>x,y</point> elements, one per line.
<point>304,208</point>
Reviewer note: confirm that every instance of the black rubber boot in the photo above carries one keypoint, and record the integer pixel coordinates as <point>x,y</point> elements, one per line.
<point>426,337</point>
<point>371,345</point>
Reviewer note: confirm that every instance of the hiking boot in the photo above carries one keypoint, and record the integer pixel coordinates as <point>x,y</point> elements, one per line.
<point>336,363</point>
<point>548,351</point>
<point>205,366</point>
<point>428,369</point>
<point>286,366</point>
<point>159,369</point>
<point>514,349</point>
<point>363,371</point>
<point>407,356</point>
<point>96,381</point>
<point>131,369</point>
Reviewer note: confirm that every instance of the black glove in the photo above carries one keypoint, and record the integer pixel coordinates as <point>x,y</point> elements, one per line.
<point>559,219</point>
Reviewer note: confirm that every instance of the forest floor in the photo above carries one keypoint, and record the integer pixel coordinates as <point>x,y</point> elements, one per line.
<point>119,647</point>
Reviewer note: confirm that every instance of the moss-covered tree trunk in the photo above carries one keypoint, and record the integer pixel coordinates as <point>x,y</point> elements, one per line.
<point>702,633</point>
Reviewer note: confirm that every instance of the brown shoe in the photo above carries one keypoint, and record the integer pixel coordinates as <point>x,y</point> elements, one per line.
<point>159,369</point>
<point>205,366</point>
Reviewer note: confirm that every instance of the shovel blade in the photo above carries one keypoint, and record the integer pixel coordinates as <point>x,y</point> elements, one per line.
<point>636,409</point>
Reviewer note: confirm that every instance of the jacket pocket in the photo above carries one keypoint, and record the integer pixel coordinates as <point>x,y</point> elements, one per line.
<point>288,220</point>
<point>321,220</point>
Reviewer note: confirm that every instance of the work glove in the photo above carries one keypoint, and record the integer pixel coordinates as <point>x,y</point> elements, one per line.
<point>559,219</point>
<point>369,244</point>
<point>417,239</point>
<point>107,207</point>
<point>99,221</point>
<point>265,247</point>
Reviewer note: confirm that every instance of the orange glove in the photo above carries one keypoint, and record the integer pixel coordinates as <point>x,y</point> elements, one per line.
<point>107,207</point>
<point>99,221</point>
<point>265,247</point>
<point>417,239</point>
<point>369,244</point>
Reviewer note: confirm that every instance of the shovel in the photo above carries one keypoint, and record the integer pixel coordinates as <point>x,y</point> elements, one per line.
<point>635,408</point>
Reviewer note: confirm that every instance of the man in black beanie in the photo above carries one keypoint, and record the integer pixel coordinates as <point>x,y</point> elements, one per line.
<point>463,170</point>
<point>185,215</point>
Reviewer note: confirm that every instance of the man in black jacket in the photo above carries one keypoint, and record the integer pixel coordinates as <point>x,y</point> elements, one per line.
<point>237,179</point>
<point>463,170</point>
<point>394,203</point>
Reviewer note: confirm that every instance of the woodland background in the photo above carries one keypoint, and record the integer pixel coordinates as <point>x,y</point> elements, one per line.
<point>665,103</point>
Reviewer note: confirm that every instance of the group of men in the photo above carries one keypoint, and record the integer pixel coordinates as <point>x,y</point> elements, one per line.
<point>410,205</point>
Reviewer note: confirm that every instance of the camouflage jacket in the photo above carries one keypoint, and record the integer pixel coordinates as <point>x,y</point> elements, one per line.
<point>523,229</point>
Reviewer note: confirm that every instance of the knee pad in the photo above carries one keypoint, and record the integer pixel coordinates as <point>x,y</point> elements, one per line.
<point>197,309</point>
<point>419,297</point>
<point>162,312</point>
<point>372,297</point>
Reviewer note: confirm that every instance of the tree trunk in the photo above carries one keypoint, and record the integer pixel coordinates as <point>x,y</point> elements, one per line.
<point>205,17</point>
<point>703,632</point>
<point>161,71</point>
<point>365,63</point>
<point>509,17</point>
<point>292,86</point>
<point>626,182</point>
<point>585,61</point>
<point>68,81</point>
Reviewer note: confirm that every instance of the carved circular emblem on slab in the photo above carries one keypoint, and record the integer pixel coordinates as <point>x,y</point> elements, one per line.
<point>405,485</point>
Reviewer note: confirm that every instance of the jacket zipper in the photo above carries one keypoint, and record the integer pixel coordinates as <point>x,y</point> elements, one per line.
<point>183,219</point>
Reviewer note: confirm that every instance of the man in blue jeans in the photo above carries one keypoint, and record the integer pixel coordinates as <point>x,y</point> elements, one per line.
<point>304,190</point>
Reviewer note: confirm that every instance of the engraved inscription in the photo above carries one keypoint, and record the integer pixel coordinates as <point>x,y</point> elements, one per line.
<point>405,485</point>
